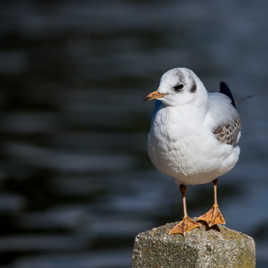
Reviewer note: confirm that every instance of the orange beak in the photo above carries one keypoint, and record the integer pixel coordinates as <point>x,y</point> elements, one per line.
<point>154,95</point>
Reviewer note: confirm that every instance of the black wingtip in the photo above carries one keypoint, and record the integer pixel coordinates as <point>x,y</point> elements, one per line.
<point>224,89</point>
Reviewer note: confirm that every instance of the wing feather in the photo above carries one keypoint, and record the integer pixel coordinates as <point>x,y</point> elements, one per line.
<point>228,133</point>
<point>223,119</point>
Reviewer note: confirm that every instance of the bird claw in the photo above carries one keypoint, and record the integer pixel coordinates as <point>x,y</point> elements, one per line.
<point>184,226</point>
<point>213,216</point>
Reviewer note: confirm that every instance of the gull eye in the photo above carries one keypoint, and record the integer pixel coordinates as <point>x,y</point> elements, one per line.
<point>178,87</point>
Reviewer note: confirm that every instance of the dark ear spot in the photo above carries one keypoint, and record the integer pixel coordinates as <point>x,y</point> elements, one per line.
<point>193,88</point>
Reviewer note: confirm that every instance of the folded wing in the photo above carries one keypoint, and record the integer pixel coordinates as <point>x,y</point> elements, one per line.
<point>222,117</point>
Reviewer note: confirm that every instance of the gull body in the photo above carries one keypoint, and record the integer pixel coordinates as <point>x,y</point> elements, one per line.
<point>193,137</point>
<point>183,141</point>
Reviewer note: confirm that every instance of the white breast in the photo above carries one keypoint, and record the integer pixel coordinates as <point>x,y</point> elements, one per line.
<point>181,147</point>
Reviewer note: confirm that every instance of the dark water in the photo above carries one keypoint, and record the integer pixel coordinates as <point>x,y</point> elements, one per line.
<point>76,183</point>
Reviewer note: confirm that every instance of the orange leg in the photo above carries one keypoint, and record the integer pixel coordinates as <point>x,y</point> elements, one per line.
<point>214,215</point>
<point>186,224</point>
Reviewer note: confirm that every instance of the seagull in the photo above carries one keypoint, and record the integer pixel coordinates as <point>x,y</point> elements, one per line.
<point>193,137</point>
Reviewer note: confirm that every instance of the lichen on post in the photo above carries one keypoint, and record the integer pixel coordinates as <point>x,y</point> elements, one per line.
<point>200,248</point>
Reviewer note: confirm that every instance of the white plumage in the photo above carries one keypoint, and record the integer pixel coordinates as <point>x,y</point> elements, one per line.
<point>182,142</point>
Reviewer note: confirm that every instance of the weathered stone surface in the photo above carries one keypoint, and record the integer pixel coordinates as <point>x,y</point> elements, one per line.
<point>201,248</point>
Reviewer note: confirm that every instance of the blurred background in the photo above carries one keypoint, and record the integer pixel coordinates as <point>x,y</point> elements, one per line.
<point>76,184</point>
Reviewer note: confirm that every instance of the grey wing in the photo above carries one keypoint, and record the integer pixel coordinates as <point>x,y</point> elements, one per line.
<point>223,119</point>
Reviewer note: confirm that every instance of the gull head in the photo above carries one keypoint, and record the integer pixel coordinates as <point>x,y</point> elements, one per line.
<point>179,86</point>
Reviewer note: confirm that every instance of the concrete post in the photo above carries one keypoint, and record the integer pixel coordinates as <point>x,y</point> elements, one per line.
<point>201,248</point>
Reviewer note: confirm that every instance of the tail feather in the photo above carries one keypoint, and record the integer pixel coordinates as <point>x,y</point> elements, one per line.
<point>224,89</point>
